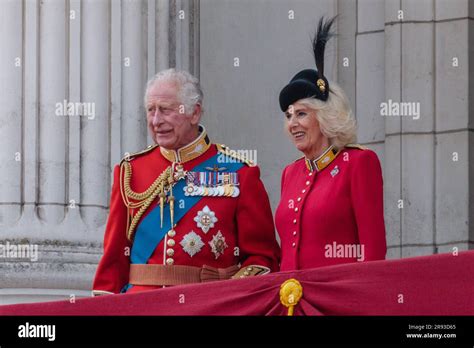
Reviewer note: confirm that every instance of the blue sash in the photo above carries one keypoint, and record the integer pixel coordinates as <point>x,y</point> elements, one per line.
<point>149,234</point>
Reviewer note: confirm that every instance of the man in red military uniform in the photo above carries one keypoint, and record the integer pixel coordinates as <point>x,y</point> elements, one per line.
<point>184,210</point>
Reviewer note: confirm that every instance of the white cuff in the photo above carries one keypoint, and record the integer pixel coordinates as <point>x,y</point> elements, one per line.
<point>101,293</point>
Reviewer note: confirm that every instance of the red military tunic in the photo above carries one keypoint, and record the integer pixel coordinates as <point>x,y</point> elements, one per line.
<point>244,223</point>
<point>331,210</point>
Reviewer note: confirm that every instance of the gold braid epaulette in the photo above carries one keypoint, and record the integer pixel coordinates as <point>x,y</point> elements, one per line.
<point>232,153</point>
<point>131,156</point>
<point>143,199</point>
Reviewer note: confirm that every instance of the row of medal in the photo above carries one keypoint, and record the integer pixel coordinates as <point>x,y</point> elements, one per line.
<point>214,183</point>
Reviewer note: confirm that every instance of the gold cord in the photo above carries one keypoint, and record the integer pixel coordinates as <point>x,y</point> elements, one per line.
<point>139,214</point>
<point>139,196</point>
<point>144,199</point>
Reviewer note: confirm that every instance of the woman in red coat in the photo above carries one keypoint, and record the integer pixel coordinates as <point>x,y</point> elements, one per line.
<point>331,207</point>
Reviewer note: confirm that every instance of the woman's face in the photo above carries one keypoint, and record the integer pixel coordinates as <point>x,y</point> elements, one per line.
<point>303,129</point>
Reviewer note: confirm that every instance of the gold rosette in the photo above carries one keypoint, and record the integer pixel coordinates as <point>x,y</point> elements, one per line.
<point>291,292</point>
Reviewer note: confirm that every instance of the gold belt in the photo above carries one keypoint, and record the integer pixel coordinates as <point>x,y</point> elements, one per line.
<point>158,275</point>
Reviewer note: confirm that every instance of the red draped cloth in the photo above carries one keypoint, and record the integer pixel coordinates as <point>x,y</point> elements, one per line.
<point>427,285</point>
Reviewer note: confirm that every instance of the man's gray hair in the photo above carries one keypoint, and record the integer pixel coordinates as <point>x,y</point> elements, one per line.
<point>189,89</point>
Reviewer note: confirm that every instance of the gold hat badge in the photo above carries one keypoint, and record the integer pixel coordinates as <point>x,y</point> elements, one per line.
<point>321,84</point>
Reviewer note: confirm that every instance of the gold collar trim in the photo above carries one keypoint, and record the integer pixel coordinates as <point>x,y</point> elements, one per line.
<point>322,161</point>
<point>191,151</point>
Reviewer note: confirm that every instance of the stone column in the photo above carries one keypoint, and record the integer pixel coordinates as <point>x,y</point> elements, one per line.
<point>58,166</point>
<point>427,166</point>
<point>414,51</point>
<point>454,125</point>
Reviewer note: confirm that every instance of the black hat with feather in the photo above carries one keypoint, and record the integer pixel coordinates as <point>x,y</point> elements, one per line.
<point>310,83</point>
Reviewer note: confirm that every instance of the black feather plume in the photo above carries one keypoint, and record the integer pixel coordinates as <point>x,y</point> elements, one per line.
<point>320,39</point>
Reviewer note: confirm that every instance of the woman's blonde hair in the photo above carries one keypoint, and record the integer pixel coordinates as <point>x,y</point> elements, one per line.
<point>335,117</point>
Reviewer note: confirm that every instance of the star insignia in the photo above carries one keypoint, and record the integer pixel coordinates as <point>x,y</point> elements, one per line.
<point>205,219</point>
<point>192,243</point>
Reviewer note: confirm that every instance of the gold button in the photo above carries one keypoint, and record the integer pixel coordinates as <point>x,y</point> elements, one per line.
<point>299,199</point>
<point>171,233</point>
<point>296,209</point>
<point>293,245</point>
<point>303,191</point>
<point>307,182</point>
<point>310,173</point>
<point>169,261</point>
<point>170,252</point>
<point>171,242</point>
<point>294,221</point>
<point>294,233</point>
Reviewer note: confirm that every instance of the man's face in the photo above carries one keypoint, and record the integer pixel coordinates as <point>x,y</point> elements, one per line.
<point>169,125</point>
